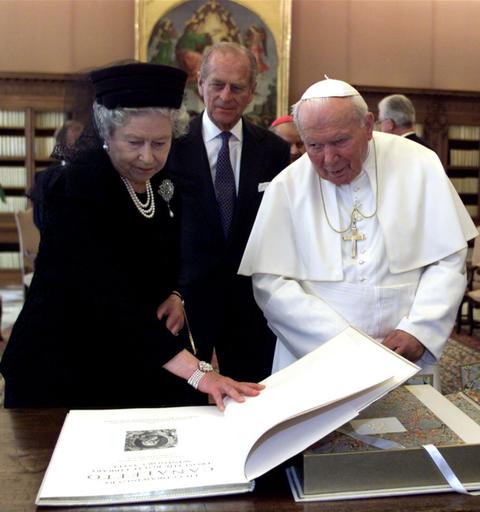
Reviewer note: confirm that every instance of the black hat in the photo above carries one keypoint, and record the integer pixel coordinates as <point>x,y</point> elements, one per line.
<point>139,85</point>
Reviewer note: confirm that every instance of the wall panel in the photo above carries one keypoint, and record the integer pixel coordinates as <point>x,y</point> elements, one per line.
<point>456,45</point>
<point>393,43</point>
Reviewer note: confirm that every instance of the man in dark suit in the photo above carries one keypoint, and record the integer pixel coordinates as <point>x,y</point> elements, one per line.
<point>220,306</point>
<point>396,114</point>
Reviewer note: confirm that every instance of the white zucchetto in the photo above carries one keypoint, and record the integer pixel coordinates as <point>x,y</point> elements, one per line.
<point>329,88</point>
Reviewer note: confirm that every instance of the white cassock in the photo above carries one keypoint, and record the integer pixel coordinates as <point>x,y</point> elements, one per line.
<point>409,272</point>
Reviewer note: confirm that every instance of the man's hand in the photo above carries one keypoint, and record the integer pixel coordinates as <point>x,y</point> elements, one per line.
<point>172,308</point>
<point>404,344</point>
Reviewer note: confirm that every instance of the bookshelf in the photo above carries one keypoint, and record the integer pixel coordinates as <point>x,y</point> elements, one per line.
<point>12,159</point>
<point>16,176</point>
<point>31,109</point>
<point>464,164</point>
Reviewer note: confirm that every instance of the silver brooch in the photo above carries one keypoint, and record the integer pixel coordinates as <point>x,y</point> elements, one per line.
<point>166,190</point>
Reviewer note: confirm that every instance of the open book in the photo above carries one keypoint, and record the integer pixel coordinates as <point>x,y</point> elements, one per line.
<point>135,455</point>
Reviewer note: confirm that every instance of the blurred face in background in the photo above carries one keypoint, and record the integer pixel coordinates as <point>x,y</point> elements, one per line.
<point>289,133</point>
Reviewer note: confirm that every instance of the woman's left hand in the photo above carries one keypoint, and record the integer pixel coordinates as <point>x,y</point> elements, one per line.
<point>219,386</point>
<point>172,308</point>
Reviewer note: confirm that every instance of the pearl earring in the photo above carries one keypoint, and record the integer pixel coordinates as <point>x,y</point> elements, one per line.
<point>105,146</point>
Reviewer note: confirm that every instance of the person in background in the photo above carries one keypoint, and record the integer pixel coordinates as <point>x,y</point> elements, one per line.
<point>285,128</point>
<point>348,238</point>
<point>396,114</point>
<point>65,138</point>
<point>103,324</point>
<point>223,165</point>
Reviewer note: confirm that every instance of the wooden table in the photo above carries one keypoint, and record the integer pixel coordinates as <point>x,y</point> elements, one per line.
<point>27,438</point>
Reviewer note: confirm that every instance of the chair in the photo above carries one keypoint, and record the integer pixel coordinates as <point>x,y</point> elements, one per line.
<point>29,239</point>
<point>472,293</point>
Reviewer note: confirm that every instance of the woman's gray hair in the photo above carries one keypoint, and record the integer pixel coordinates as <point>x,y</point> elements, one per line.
<point>107,121</point>
<point>360,110</point>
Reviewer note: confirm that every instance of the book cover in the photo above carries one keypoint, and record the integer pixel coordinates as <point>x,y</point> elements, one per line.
<point>380,452</point>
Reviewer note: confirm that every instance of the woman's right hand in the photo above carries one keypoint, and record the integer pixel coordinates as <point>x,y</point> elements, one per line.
<point>184,365</point>
<point>219,387</point>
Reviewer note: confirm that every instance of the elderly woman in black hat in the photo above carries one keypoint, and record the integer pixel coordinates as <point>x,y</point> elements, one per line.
<point>102,324</point>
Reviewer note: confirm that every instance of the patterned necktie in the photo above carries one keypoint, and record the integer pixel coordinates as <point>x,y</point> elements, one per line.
<point>225,184</point>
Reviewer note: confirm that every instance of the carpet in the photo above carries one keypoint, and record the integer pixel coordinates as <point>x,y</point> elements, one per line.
<point>455,355</point>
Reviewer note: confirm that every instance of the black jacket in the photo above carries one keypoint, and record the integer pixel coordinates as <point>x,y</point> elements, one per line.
<point>419,140</point>
<point>88,335</point>
<point>220,304</point>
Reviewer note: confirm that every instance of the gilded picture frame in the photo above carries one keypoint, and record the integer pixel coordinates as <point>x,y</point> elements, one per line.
<point>177,32</point>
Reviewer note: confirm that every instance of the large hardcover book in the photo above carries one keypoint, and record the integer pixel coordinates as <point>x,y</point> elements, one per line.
<point>135,455</point>
<point>380,453</point>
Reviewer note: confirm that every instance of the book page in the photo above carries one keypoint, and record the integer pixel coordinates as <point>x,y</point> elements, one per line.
<point>138,451</point>
<point>350,370</point>
<point>345,365</point>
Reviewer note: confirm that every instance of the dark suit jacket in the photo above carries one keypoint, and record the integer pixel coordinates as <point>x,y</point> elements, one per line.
<point>219,303</point>
<point>416,138</point>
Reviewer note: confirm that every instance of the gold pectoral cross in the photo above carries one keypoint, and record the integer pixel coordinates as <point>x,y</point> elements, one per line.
<point>354,238</point>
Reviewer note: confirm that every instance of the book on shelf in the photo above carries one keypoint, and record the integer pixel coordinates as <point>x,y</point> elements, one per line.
<point>43,120</point>
<point>44,146</point>
<point>464,132</point>
<point>472,209</point>
<point>13,176</point>
<point>386,441</point>
<point>13,204</point>
<point>49,120</point>
<point>12,118</point>
<point>141,455</point>
<point>9,260</point>
<point>465,185</point>
<point>464,157</point>
<point>12,145</point>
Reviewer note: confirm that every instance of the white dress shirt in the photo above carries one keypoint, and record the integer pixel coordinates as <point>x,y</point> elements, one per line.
<point>212,140</point>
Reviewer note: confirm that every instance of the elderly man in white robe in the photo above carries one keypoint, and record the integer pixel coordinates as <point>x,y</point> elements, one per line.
<point>364,230</point>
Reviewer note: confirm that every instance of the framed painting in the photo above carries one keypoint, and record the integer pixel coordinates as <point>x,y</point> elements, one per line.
<point>177,32</point>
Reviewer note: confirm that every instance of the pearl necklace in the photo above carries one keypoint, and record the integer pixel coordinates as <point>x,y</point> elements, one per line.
<point>147,209</point>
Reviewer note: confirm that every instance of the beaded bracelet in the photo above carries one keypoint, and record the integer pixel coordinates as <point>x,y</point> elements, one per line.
<point>195,378</point>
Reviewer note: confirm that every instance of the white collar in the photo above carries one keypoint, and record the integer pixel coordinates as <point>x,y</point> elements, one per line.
<point>211,130</point>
